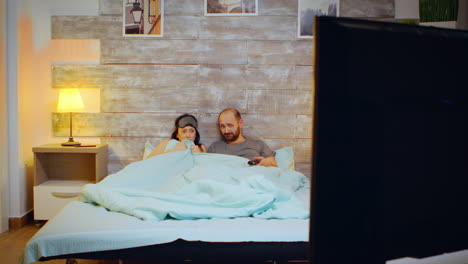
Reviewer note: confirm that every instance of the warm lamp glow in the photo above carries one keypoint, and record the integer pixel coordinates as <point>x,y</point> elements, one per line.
<point>70,101</point>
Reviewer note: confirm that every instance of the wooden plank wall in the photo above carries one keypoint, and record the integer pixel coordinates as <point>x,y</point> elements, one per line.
<point>201,65</point>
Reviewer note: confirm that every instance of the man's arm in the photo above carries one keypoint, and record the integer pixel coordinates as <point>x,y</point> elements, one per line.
<point>267,156</point>
<point>211,148</point>
<point>267,162</point>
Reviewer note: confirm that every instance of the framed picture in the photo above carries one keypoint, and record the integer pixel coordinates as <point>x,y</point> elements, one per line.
<point>308,9</point>
<point>142,18</point>
<point>231,7</point>
<point>438,10</point>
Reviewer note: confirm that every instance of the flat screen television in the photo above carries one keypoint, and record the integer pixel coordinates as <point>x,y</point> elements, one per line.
<point>390,148</point>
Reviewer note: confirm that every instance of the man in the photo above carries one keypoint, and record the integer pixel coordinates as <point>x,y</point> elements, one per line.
<point>230,126</point>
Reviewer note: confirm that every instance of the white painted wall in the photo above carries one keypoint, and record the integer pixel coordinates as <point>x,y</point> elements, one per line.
<point>4,195</point>
<point>406,9</point>
<point>43,10</point>
<point>31,100</point>
<point>11,106</point>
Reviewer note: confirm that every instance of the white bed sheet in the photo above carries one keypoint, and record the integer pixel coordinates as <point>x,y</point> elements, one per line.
<point>82,227</point>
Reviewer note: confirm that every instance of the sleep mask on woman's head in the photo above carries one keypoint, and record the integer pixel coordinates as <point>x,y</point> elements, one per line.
<point>187,121</point>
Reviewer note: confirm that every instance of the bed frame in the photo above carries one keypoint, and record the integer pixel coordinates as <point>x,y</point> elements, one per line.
<point>203,252</point>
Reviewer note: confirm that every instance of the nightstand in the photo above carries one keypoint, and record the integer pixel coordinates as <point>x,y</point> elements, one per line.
<point>60,173</point>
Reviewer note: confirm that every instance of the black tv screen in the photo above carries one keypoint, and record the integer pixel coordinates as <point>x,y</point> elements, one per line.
<point>390,149</point>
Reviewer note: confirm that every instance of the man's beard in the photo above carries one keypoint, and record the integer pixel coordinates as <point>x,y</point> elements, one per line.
<point>234,136</point>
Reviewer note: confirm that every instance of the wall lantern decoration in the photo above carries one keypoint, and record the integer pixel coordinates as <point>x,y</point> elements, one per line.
<point>142,18</point>
<point>136,12</point>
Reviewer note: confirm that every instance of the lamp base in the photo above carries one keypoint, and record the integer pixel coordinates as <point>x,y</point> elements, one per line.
<point>71,143</point>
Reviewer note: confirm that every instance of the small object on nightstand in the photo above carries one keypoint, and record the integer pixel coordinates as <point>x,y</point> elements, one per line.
<point>83,146</point>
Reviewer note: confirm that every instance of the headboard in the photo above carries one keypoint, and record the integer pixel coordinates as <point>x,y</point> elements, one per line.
<point>201,65</point>
<point>197,67</point>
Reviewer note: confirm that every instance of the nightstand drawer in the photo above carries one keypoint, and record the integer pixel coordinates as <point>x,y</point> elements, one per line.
<point>51,196</point>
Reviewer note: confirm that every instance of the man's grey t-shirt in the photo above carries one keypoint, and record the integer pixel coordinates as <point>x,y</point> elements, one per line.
<point>249,148</point>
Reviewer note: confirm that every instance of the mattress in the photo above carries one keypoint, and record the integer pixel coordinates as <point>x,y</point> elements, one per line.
<point>81,227</point>
<point>86,227</point>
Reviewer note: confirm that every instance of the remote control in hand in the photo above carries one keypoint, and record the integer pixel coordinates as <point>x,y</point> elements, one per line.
<point>253,162</point>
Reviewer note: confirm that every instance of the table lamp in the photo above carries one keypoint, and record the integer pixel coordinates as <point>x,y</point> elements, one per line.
<point>70,101</point>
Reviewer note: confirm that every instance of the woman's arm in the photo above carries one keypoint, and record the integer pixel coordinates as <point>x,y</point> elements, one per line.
<point>162,146</point>
<point>203,148</point>
<point>199,149</point>
<point>159,148</point>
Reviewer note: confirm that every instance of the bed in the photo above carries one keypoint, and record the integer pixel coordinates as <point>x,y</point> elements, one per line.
<point>124,224</point>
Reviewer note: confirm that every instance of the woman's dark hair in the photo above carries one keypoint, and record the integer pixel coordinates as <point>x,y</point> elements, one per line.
<point>177,125</point>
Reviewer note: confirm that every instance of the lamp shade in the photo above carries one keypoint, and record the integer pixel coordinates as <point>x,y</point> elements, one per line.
<point>70,101</point>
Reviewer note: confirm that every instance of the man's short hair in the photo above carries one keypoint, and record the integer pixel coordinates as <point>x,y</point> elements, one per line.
<point>236,113</point>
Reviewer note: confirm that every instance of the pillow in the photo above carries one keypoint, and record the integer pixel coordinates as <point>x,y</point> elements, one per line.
<point>285,158</point>
<point>148,149</point>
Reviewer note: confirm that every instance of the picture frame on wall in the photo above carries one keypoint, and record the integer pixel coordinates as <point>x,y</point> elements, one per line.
<point>231,7</point>
<point>142,18</point>
<point>308,9</point>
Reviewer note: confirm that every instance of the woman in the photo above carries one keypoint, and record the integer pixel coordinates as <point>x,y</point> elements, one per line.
<point>185,129</point>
